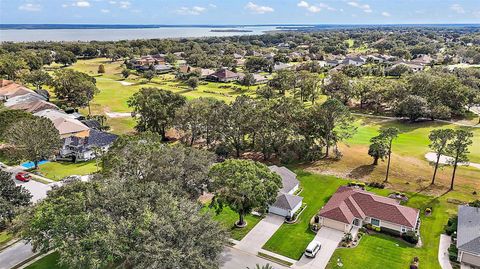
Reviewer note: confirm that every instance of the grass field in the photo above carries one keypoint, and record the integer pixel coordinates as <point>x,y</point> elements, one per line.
<point>48,262</point>
<point>5,238</point>
<point>291,239</point>
<point>227,218</point>
<point>59,170</point>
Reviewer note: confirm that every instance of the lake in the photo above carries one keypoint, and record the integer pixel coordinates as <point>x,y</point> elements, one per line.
<point>28,35</point>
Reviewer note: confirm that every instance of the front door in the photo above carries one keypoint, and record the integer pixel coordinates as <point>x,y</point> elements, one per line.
<point>357,222</point>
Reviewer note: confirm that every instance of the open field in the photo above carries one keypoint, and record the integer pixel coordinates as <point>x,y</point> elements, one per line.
<point>58,170</point>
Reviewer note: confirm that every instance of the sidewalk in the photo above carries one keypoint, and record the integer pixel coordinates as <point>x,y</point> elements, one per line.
<point>443,259</point>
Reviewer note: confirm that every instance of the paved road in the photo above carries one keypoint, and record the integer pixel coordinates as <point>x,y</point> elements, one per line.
<point>329,238</point>
<point>260,234</point>
<point>443,259</point>
<point>238,259</point>
<point>15,254</point>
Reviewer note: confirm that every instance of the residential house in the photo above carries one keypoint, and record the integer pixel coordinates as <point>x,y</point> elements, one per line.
<point>223,75</point>
<point>34,106</point>
<point>422,59</point>
<point>287,203</point>
<point>25,98</point>
<point>351,207</point>
<point>85,148</point>
<point>354,60</point>
<point>10,89</point>
<point>65,124</point>
<point>204,72</point>
<point>162,68</point>
<point>468,237</point>
<point>332,63</point>
<point>281,66</point>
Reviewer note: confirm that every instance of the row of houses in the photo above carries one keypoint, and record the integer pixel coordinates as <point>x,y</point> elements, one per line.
<point>81,138</point>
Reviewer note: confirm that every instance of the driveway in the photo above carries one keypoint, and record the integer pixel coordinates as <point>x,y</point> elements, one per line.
<point>260,234</point>
<point>329,238</point>
<point>15,254</point>
<point>232,258</point>
<point>444,244</point>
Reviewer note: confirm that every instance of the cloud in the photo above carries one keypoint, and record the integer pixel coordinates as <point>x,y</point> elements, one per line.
<point>366,8</point>
<point>196,10</point>
<point>257,9</point>
<point>105,10</point>
<point>81,4</point>
<point>386,14</point>
<point>457,8</point>
<point>212,5</point>
<point>124,4</point>
<point>30,7</point>
<point>314,8</point>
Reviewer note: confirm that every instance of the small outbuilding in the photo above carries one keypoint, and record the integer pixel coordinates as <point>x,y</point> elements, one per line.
<point>287,204</point>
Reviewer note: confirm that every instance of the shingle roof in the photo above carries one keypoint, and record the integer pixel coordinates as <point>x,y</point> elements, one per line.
<point>224,74</point>
<point>348,203</point>
<point>289,178</point>
<point>100,139</point>
<point>287,201</point>
<point>468,229</point>
<point>35,106</point>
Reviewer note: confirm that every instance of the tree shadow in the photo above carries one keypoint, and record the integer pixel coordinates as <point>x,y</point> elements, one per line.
<point>361,171</point>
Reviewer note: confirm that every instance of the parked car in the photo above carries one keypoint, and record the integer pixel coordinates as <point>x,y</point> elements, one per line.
<point>23,176</point>
<point>312,249</point>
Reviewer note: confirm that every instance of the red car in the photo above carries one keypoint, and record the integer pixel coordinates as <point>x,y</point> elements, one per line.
<point>23,176</point>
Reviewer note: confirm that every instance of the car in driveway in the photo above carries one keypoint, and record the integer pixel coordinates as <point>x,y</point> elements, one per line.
<point>312,249</point>
<point>23,176</point>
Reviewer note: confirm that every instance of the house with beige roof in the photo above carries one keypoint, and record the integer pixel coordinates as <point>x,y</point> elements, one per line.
<point>65,124</point>
<point>351,207</point>
<point>10,89</point>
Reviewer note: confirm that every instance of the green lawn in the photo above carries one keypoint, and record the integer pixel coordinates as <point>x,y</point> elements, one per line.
<point>228,217</point>
<point>5,238</point>
<point>48,262</point>
<point>59,170</point>
<point>291,239</point>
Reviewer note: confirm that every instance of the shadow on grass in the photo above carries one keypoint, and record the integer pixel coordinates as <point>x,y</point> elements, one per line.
<point>361,171</point>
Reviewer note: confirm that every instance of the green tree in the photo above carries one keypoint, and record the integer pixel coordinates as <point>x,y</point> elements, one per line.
<point>12,197</point>
<point>192,82</point>
<point>110,221</point>
<point>244,185</point>
<point>38,78</point>
<point>413,107</point>
<point>171,58</point>
<point>254,64</point>
<point>283,81</point>
<point>77,89</point>
<point>10,65</point>
<point>339,87</point>
<point>333,122</point>
<point>439,140</point>
<point>125,73</point>
<point>33,139</point>
<point>248,80</point>
<point>399,69</point>
<point>378,149</point>
<point>458,150</point>
<point>9,117</point>
<point>388,135</point>
<point>65,57</point>
<point>309,84</point>
<point>101,69</point>
<point>148,75</point>
<point>156,109</point>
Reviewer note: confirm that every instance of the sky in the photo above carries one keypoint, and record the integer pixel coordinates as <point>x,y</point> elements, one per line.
<point>222,12</point>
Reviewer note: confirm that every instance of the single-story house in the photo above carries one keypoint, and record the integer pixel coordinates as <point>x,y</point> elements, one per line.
<point>83,148</point>
<point>468,236</point>
<point>332,63</point>
<point>34,106</point>
<point>10,89</point>
<point>351,207</point>
<point>287,203</point>
<point>204,72</point>
<point>281,66</point>
<point>162,68</point>
<point>223,75</point>
<point>422,59</point>
<point>22,99</point>
<point>354,60</point>
<point>66,124</point>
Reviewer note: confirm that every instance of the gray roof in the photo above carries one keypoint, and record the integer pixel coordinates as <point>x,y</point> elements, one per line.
<point>287,201</point>
<point>289,178</point>
<point>468,229</point>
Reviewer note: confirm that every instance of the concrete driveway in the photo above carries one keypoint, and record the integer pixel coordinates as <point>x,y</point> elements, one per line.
<point>232,258</point>
<point>260,234</point>
<point>15,254</point>
<point>329,238</point>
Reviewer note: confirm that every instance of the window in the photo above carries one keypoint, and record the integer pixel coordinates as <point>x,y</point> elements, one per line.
<point>404,230</point>
<point>375,222</point>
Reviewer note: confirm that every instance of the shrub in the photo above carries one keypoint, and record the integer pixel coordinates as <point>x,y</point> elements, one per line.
<point>453,253</point>
<point>428,210</point>
<point>377,229</point>
<point>101,69</point>
<point>451,226</point>
<point>377,185</point>
<point>410,237</point>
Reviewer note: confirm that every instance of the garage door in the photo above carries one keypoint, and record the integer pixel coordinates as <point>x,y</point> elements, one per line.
<point>278,211</point>
<point>334,224</point>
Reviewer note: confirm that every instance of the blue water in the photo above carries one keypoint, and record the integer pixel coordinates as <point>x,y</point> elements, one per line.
<point>30,165</point>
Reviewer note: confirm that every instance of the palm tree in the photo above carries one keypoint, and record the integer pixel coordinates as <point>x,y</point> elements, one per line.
<point>266,266</point>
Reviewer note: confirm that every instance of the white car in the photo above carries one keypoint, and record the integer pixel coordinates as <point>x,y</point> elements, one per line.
<point>312,249</point>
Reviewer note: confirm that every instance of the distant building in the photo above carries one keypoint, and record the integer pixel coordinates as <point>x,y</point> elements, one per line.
<point>223,75</point>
